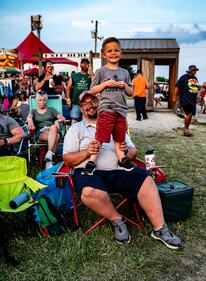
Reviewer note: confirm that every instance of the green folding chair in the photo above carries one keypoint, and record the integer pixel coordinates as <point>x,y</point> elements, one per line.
<point>54,101</point>
<point>13,182</point>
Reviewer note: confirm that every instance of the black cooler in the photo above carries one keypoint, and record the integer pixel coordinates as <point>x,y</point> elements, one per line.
<point>176,200</point>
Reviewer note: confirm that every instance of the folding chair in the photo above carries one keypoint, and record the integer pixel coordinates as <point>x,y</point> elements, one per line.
<point>13,182</point>
<point>158,176</point>
<point>65,172</point>
<point>56,103</point>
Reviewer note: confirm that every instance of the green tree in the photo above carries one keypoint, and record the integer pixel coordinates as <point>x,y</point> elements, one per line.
<point>161,79</point>
<point>130,69</point>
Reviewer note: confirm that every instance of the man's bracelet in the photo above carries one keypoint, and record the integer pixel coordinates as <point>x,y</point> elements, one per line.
<point>68,99</point>
<point>42,81</point>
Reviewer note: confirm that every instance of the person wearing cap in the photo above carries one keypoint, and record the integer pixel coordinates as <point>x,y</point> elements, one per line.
<point>186,90</point>
<point>78,83</point>
<point>79,145</point>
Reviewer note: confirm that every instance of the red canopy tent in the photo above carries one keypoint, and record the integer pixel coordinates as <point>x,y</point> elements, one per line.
<point>29,48</point>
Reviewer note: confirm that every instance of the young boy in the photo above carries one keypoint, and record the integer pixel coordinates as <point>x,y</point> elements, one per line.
<point>112,82</point>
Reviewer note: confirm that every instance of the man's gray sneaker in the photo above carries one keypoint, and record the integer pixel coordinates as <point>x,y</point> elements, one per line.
<point>168,238</point>
<point>121,234</point>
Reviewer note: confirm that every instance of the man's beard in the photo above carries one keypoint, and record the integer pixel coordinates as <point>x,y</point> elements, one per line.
<point>85,69</point>
<point>92,116</point>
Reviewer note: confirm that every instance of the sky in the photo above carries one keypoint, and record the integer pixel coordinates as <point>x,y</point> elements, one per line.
<point>67,25</point>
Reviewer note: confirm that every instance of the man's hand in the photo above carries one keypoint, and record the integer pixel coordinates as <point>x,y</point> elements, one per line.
<point>93,148</point>
<point>69,103</point>
<point>123,146</point>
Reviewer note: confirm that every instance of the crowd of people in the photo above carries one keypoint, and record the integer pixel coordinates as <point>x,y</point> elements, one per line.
<point>97,145</point>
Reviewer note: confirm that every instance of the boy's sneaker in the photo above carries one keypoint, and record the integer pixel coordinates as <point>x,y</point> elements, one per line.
<point>121,234</point>
<point>49,156</point>
<point>168,238</point>
<point>125,164</point>
<point>89,169</point>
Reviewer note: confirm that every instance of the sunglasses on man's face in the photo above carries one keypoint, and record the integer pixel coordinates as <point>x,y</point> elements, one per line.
<point>49,65</point>
<point>89,103</point>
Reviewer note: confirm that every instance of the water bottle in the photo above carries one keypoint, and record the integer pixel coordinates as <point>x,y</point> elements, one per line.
<point>150,159</point>
<point>19,200</point>
<point>50,83</point>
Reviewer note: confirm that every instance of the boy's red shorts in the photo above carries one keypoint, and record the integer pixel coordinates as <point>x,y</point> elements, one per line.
<point>110,124</point>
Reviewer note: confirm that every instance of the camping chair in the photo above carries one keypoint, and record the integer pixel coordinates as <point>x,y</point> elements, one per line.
<point>54,101</point>
<point>118,200</point>
<point>64,173</point>
<point>13,182</point>
<point>136,220</point>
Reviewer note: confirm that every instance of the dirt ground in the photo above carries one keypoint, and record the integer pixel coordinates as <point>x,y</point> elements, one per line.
<point>162,119</point>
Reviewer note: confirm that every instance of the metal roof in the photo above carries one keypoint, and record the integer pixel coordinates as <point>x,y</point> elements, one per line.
<point>149,43</point>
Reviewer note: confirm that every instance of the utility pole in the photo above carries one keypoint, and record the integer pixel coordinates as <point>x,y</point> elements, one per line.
<point>95,35</point>
<point>95,39</point>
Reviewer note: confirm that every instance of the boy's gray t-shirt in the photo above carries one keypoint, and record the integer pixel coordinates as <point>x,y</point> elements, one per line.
<point>112,99</point>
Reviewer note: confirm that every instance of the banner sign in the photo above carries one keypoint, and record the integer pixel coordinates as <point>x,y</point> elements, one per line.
<point>9,59</point>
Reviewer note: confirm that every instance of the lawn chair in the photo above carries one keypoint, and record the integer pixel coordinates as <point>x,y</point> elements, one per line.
<point>118,200</point>
<point>13,182</point>
<point>56,103</point>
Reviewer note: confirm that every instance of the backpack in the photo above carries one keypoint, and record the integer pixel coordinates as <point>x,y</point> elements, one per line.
<point>51,213</point>
<point>50,221</point>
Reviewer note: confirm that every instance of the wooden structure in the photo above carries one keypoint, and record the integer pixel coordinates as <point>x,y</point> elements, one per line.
<point>146,53</point>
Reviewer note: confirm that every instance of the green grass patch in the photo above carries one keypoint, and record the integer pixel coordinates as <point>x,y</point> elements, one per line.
<point>97,257</point>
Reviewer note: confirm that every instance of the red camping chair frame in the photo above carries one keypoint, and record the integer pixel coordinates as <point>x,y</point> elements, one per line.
<point>65,173</point>
<point>158,175</point>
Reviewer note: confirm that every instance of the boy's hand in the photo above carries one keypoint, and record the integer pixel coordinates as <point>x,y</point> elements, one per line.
<point>122,84</point>
<point>112,83</point>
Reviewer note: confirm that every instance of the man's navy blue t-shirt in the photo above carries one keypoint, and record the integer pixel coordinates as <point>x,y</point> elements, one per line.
<point>188,89</point>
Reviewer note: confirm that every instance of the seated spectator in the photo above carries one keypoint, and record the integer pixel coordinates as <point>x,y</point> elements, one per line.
<point>79,145</point>
<point>45,121</point>
<point>20,105</point>
<point>10,134</point>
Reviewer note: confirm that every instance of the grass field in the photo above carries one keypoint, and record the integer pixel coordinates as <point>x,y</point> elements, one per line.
<point>97,257</point>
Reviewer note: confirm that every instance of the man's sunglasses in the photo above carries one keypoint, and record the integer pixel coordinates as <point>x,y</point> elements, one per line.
<point>88,103</point>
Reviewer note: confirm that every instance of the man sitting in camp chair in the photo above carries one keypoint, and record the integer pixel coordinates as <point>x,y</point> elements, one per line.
<point>79,145</point>
<point>45,121</point>
<point>10,134</point>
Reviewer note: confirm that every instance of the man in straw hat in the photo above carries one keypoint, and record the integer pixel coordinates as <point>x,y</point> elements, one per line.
<point>186,90</point>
